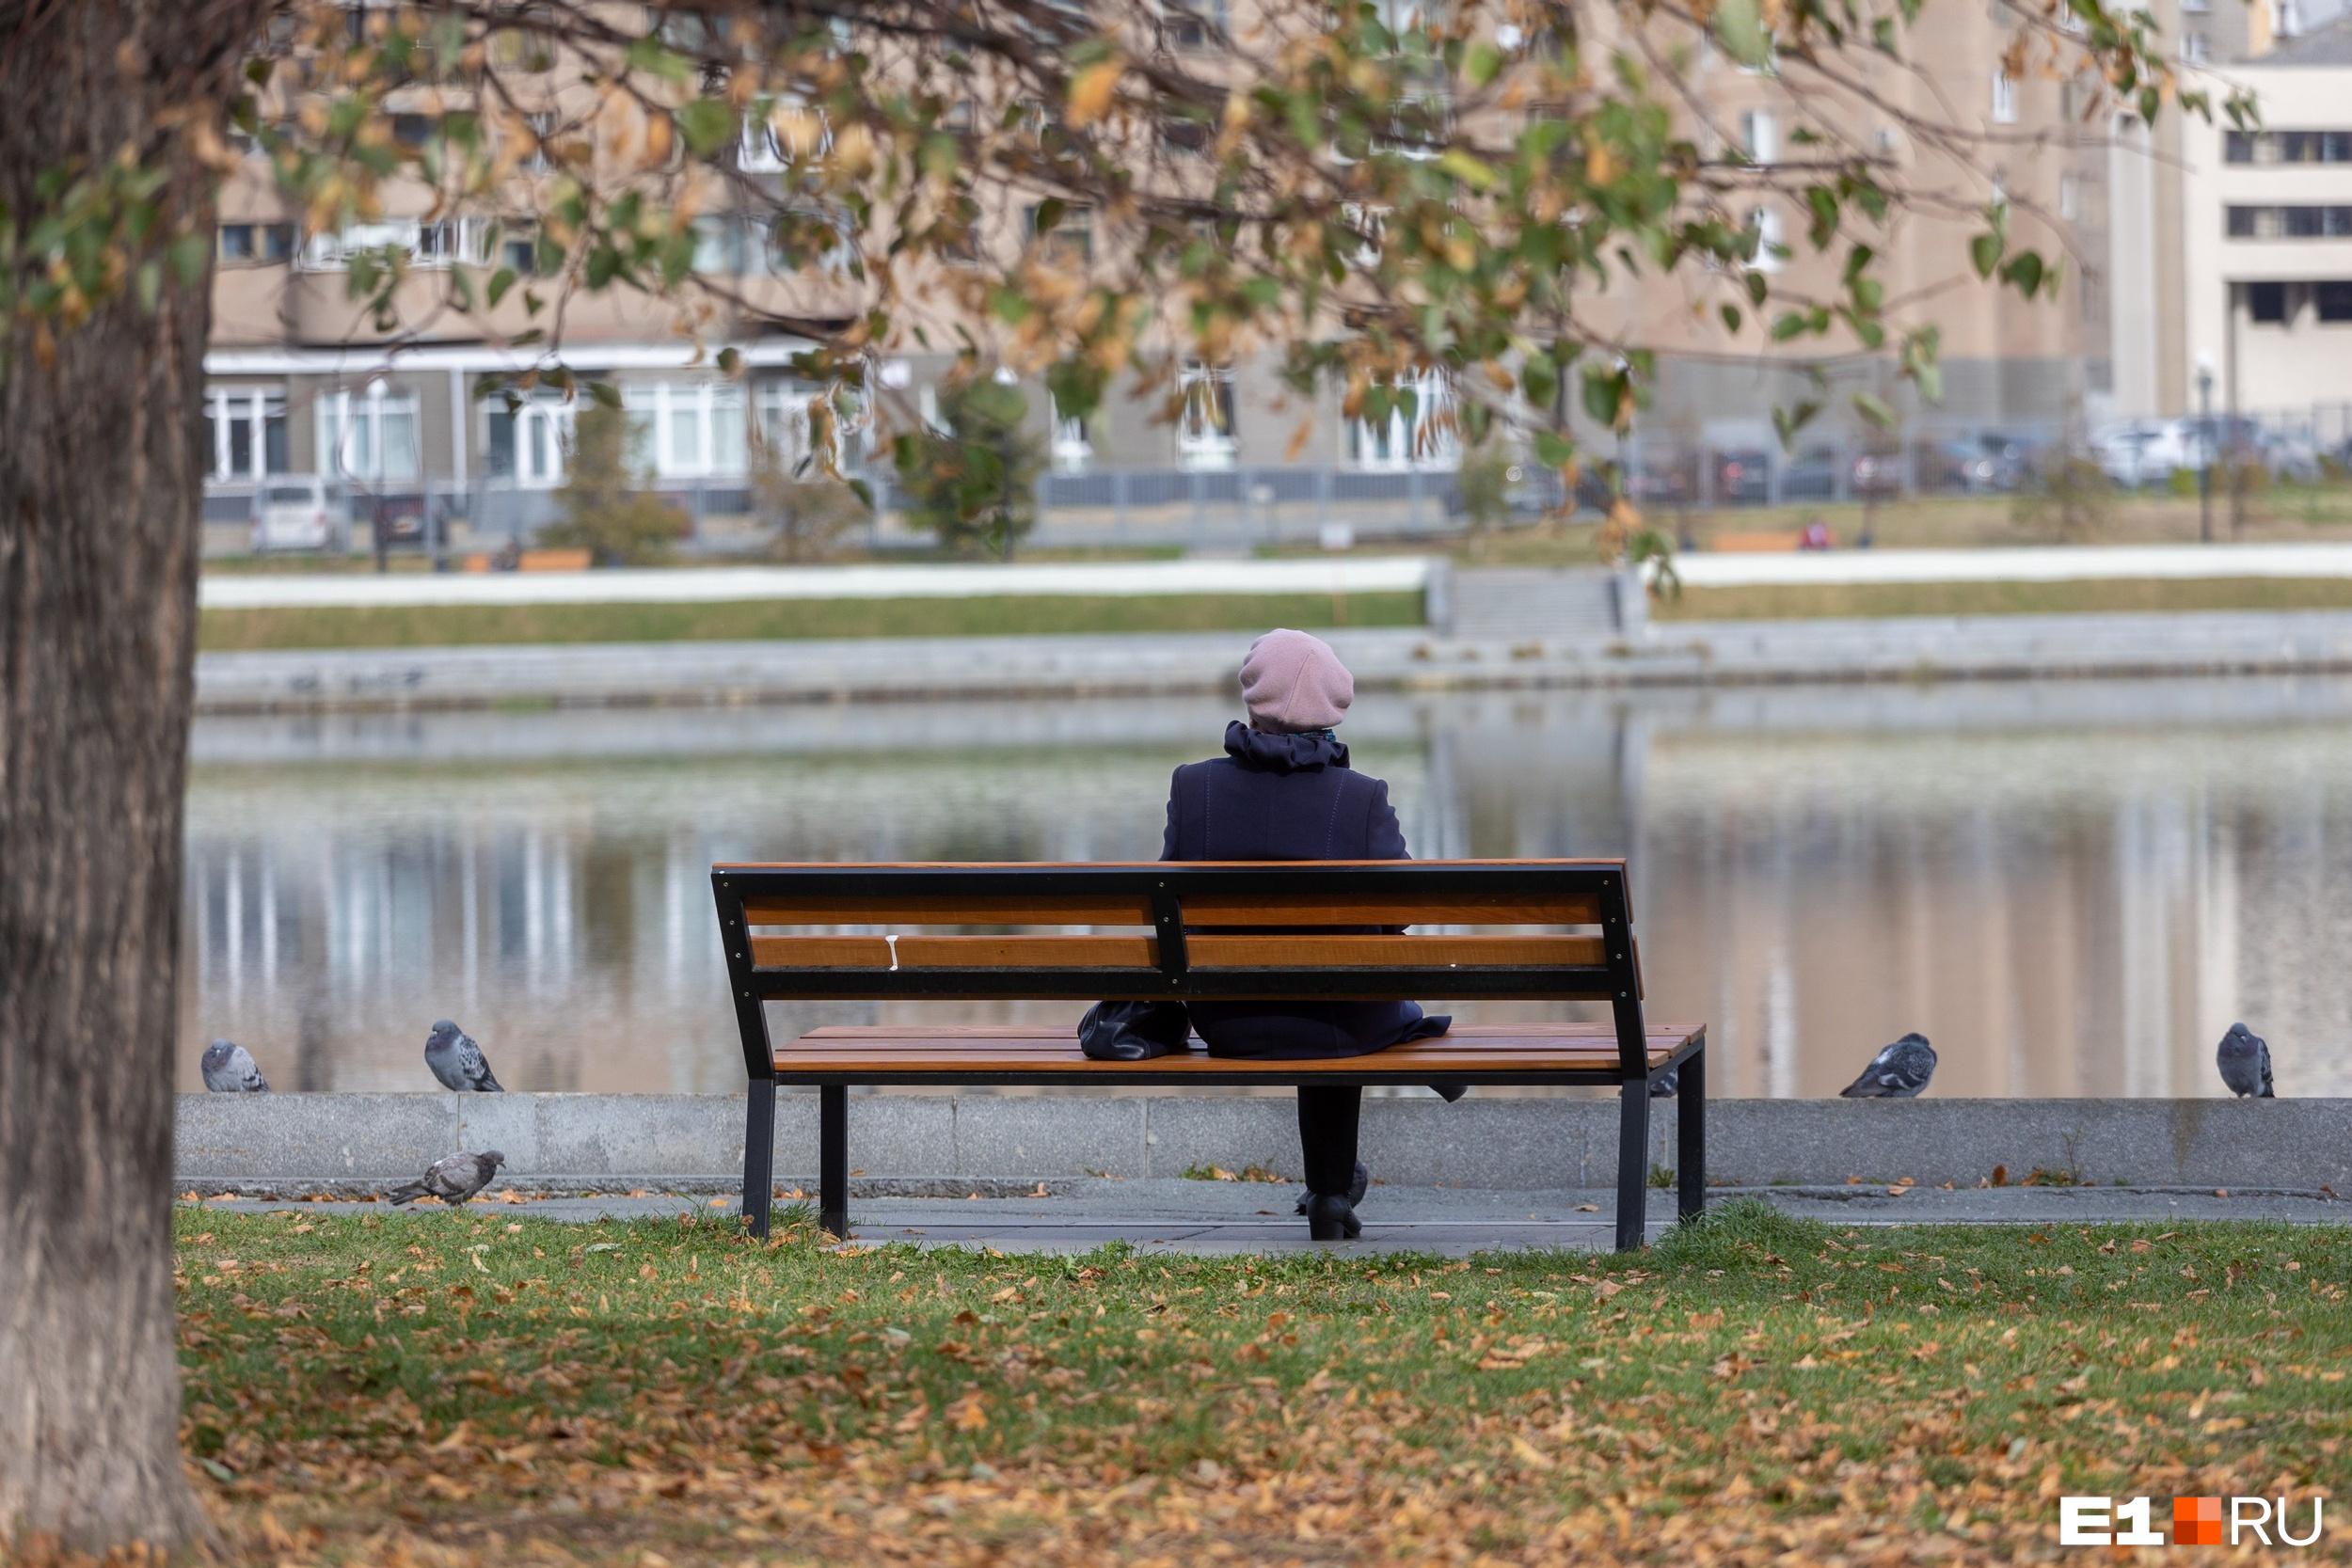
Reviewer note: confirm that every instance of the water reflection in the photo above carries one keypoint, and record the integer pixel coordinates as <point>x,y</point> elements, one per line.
<point>2072,887</point>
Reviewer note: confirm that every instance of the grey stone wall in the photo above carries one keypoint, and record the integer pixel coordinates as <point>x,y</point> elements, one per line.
<point>1496,1143</point>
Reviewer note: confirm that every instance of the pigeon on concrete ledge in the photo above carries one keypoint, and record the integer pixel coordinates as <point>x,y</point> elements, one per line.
<point>453,1179</point>
<point>229,1069</point>
<point>457,1061</point>
<point>2244,1062</point>
<point>1897,1072</point>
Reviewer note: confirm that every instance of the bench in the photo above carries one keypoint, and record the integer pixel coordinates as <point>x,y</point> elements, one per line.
<point>1194,931</point>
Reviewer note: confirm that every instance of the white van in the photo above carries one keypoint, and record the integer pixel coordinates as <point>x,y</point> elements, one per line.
<point>296,512</point>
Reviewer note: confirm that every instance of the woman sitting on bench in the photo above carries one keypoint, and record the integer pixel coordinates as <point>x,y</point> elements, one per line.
<point>1284,791</point>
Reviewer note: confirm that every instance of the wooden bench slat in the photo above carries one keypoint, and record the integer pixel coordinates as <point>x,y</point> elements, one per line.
<point>1202,952</point>
<point>1219,909</point>
<point>885,1049</point>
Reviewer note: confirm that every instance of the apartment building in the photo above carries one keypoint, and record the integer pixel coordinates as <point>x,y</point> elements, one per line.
<point>303,381</point>
<point>2230,251</point>
<point>2269,238</point>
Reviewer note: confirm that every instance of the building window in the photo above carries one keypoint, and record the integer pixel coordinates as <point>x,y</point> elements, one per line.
<point>1205,425</point>
<point>369,436</point>
<point>2332,300</point>
<point>437,243</point>
<point>2068,199</point>
<point>518,250</point>
<point>248,427</point>
<point>243,244</point>
<point>2196,48</point>
<point>525,444</point>
<point>1073,445</point>
<point>789,429</point>
<point>1192,23</point>
<point>1071,241</point>
<point>2004,98</point>
<point>539,127</point>
<point>2289,223</point>
<point>1765,224</point>
<point>1427,436</point>
<point>685,430</point>
<point>2267,303</point>
<point>1760,135</point>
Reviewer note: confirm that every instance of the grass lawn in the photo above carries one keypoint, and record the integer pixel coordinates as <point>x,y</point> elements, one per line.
<point>2092,597</point>
<point>410,627</point>
<point>484,1387</point>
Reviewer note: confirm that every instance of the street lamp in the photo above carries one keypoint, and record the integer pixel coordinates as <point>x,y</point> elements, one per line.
<point>2205,452</point>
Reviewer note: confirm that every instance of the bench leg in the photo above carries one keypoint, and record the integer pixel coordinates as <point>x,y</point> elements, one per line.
<point>1691,1135</point>
<point>1633,1162</point>
<point>759,1154</point>
<point>832,1158</point>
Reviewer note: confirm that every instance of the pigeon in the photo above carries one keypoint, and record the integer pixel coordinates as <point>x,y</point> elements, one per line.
<point>229,1069</point>
<point>456,1061</point>
<point>1897,1072</point>
<point>2244,1062</point>
<point>453,1179</point>
<point>1667,1085</point>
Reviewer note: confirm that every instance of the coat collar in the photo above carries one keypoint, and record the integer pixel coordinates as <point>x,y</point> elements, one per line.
<point>1263,752</point>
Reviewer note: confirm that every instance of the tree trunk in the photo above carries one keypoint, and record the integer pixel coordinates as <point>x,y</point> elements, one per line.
<point>102,465</point>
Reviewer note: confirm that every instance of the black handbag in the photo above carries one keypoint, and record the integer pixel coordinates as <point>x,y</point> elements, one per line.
<point>1133,1030</point>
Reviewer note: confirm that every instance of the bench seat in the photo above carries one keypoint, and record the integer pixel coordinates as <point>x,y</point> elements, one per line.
<point>1472,1053</point>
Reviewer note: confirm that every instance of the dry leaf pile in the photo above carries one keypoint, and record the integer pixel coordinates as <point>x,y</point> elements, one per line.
<point>475,1389</point>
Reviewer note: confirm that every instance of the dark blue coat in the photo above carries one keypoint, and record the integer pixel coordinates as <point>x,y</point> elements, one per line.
<point>1289,797</point>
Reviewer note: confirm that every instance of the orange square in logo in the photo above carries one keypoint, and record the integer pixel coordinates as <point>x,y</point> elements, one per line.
<point>2196,1521</point>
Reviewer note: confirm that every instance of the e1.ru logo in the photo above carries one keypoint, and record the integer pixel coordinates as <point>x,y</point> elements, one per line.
<point>2196,1522</point>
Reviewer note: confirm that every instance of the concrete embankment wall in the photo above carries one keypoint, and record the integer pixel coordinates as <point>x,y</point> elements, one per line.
<point>293,1142</point>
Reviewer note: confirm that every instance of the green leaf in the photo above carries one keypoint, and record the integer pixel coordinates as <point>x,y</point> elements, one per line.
<point>1048,215</point>
<point>1482,64</point>
<point>1732,319</point>
<point>709,124</point>
<point>649,55</point>
<point>1787,421</point>
<point>2025,271</point>
<point>1790,325</point>
<point>1874,409</point>
<point>150,285</point>
<point>187,255</point>
<point>1468,170</point>
<point>606,393</point>
<point>604,264</point>
<point>1738,26</point>
<point>1985,251</point>
<point>1554,451</point>
<point>500,281</point>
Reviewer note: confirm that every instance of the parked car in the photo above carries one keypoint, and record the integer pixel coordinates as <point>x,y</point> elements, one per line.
<point>2145,452</point>
<point>1743,477</point>
<point>1878,473</point>
<point>1980,466</point>
<point>297,512</point>
<point>1810,475</point>
<point>397,519</point>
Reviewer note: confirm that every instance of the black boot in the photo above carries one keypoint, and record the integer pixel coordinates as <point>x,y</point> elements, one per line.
<point>1449,1092</point>
<point>1356,1189</point>
<point>1331,1218</point>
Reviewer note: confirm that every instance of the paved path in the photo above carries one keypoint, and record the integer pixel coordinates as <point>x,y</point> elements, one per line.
<point>1216,1218</point>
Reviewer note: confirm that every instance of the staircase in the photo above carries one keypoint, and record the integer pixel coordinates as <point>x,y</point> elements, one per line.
<point>1533,605</point>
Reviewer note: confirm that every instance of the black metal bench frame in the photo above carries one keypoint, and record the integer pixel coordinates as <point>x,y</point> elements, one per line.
<point>1164,886</point>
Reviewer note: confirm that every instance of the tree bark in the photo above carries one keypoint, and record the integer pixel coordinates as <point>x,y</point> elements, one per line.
<point>102,465</point>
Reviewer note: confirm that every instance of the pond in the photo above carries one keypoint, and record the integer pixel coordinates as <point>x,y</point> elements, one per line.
<point>2072,887</point>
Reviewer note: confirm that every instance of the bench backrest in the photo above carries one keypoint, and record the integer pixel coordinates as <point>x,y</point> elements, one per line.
<point>1176,929</point>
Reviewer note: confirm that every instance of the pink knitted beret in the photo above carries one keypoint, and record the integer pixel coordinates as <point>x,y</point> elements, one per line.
<point>1292,682</point>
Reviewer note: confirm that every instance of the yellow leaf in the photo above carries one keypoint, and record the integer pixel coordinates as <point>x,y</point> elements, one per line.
<point>1529,1454</point>
<point>1092,90</point>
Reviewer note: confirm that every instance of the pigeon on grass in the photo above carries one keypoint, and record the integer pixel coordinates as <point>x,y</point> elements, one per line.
<point>453,1179</point>
<point>1897,1072</point>
<point>457,1061</point>
<point>2244,1062</point>
<point>229,1069</point>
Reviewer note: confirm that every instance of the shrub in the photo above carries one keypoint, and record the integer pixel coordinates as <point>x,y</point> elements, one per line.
<point>606,511</point>
<point>1483,486</point>
<point>2069,500</point>
<point>809,513</point>
<point>973,482</point>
